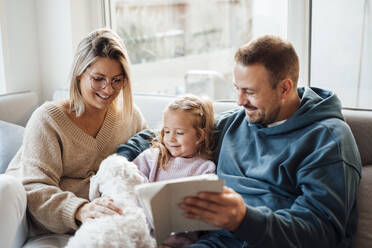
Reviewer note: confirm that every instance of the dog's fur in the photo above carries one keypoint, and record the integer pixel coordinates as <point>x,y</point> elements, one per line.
<point>116,179</point>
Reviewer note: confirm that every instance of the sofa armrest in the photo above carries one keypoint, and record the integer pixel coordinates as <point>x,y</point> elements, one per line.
<point>17,107</point>
<point>11,136</point>
<point>360,122</point>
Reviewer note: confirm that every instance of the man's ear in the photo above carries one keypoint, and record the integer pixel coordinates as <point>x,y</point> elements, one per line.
<point>285,87</point>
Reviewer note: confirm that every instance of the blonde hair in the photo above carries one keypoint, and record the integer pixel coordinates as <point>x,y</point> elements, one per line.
<point>101,43</point>
<point>201,110</point>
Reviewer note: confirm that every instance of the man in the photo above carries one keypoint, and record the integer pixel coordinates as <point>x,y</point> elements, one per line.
<point>289,160</point>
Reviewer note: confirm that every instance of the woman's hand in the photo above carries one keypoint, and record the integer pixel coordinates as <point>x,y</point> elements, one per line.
<point>225,210</point>
<point>97,208</point>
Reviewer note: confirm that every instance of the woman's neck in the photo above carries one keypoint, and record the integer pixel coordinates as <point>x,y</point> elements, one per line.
<point>90,121</point>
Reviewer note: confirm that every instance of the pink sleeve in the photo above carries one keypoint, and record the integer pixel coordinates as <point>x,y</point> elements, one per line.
<point>208,167</point>
<point>143,162</point>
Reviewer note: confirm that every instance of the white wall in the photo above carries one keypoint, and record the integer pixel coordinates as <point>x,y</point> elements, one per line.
<point>62,24</point>
<point>39,38</point>
<point>86,15</point>
<point>20,47</point>
<point>55,42</point>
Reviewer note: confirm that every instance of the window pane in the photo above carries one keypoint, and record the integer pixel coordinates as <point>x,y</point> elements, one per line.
<point>341,50</point>
<point>187,46</point>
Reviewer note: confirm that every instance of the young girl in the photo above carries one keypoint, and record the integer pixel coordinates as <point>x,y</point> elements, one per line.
<point>183,148</point>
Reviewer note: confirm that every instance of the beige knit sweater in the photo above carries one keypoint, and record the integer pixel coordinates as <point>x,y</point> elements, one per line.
<point>57,159</point>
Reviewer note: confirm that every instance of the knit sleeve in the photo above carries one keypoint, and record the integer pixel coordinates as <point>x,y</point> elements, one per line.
<point>39,164</point>
<point>145,162</point>
<point>207,167</point>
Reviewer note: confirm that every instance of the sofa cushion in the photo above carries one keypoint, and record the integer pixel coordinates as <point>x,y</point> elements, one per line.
<point>152,107</point>
<point>17,107</point>
<point>360,122</point>
<point>11,136</point>
<point>48,240</point>
<point>363,237</point>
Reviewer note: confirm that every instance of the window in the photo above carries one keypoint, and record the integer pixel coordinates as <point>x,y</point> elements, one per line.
<point>187,46</point>
<point>341,50</point>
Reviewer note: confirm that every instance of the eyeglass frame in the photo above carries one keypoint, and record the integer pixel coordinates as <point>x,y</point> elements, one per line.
<point>94,79</point>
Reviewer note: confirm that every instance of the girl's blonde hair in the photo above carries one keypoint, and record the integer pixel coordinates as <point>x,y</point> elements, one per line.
<point>101,43</point>
<point>201,110</point>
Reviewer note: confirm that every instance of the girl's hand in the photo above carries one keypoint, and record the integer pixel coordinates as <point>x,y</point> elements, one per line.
<point>97,208</point>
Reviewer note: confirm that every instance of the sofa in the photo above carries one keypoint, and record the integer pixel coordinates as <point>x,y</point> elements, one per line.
<point>360,122</point>
<point>17,107</point>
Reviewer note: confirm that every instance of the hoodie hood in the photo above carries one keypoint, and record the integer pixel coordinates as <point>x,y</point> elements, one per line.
<point>316,105</point>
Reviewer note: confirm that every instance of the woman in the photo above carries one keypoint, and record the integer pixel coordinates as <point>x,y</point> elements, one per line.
<point>65,141</point>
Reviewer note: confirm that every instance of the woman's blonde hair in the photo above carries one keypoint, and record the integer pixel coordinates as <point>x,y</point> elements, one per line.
<point>201,111</point>
<point>101,43</point>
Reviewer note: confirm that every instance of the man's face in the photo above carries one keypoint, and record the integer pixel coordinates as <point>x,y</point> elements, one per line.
<point>261,102</point>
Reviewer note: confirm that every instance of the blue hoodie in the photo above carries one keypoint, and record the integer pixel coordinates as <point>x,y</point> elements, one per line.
<point>299,179</point>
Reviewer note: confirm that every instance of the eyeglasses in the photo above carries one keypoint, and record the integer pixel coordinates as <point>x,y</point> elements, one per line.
<point>100,82</point>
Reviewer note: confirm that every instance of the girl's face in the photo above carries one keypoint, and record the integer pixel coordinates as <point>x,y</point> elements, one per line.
<point>104,70</point>
<point>180,137</point>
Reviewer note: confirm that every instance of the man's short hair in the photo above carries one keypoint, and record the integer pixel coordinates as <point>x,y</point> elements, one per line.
<point>277,55</point>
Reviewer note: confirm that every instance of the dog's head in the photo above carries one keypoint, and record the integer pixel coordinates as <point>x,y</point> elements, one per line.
<point>115,172</point>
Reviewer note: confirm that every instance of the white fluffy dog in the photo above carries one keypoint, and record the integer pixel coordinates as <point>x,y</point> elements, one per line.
<point>116,179</point>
